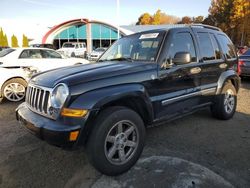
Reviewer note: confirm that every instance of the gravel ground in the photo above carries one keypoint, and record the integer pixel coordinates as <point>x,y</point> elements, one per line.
<point>220,146</point>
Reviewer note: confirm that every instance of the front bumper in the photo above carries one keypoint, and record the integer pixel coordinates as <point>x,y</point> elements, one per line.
<point>54,132</point>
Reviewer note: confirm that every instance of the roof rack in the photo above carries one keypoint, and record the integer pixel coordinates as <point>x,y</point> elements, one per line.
<point>205,26</point>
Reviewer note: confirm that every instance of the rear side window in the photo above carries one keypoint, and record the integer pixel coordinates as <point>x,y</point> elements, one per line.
<point>206,47</point>
<point>216,47</point>
<point>182,42</point>
<point>227,46</point>
<point>50,54</point>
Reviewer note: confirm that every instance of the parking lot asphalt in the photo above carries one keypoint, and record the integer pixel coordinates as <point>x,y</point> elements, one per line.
<point>195,151</point>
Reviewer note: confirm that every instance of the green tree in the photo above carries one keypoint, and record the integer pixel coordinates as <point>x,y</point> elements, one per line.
<point>14,41</point>
<point>198,19</point>
<point>186,20</point>
<point>25,41</point>
<point>157,18</point>
<point>168,19</point>
<point>1,37</point>
<point>240,21</point>
<point>144,19</point>
<point>232,16</point>
<point>5,41</point>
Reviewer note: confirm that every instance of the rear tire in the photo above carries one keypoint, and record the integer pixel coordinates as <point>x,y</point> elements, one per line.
<point>14,89</point>
<point>116,141</point>
<point>225,103</point>
<point>73,54</point>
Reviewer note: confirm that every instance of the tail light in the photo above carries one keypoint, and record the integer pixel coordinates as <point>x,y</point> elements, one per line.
<point>240,63</point>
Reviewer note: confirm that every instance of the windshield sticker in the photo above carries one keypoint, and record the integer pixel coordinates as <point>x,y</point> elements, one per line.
<point>149,36</point>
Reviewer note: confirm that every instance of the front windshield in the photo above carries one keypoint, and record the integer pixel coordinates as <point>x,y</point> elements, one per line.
<point>100,49</point>
<point>137,47</point>
<point>68,45</point>
<point>6,52</point>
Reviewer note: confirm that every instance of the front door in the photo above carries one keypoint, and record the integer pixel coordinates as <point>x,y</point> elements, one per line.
<point>178,85</point>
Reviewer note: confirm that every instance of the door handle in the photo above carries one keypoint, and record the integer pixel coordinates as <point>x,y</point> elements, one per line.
<point>195,70</point>
<point>223,65</point>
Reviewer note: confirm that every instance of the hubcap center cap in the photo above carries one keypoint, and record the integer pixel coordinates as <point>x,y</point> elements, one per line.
<point>121,140</point>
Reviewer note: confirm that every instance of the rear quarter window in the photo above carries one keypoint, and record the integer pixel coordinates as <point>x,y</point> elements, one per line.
<point>227,46</point>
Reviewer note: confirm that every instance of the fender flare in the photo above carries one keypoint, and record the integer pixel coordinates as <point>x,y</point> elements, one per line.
<point>228,75</point>
<point>95,99</point>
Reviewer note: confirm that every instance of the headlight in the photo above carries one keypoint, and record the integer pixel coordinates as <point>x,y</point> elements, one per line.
<point>59,95</point>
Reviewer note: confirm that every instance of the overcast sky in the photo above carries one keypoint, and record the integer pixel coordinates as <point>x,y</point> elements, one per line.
<point>31,16</point>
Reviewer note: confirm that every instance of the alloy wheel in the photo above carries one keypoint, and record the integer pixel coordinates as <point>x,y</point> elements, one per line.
<point>14,92</point>
<point>229,101</point>
<point>121,142</point>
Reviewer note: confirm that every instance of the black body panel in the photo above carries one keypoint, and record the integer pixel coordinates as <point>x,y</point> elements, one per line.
<point>160,90</point>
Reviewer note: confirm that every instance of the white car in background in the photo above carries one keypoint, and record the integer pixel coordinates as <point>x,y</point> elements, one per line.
<point>13,82</point>
<point>73,49</point>
<point>41,58</point>
<point>95,54</point>
<point>18,65</point>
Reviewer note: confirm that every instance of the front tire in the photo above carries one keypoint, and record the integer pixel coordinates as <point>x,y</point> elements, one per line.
<point>225,104</point>
<point>116,141</point>
<point>14,89</point>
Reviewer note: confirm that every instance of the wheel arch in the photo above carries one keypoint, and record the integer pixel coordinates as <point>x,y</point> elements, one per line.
<point>15,77</point>
<point>133,96</point>
<point>2,85</point>
<point>230,76</point>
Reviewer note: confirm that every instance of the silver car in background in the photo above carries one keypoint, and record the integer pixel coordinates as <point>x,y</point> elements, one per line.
<point>96,54</point>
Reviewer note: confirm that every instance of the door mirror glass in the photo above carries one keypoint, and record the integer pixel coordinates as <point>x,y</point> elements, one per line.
<point>181,58</point>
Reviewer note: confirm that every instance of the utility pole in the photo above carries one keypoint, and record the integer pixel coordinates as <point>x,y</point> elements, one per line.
<point>118,17</point>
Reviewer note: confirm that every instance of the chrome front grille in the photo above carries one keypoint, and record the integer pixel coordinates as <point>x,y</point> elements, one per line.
<point>38,99</point>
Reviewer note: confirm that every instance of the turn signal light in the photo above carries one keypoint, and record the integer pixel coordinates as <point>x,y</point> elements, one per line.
<point>73,135</point>
<point>73,112</point>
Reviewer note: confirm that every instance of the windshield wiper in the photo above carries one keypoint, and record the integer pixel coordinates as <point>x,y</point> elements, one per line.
<point>102,60</point>
<point>122,59</point>
<point>118,59</point>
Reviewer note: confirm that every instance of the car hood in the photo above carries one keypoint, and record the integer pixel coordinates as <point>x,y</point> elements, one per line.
<point>80,74</point>
<point>96,53</point>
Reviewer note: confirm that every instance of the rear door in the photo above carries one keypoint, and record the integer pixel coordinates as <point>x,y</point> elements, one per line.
<point>217,56</point>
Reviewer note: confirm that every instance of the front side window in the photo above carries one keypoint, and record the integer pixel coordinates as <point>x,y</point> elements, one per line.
<point>137,47</point>
<point>68,45</point>
<point>31,54</point>
<point>206,47</point>
<point>182,42</point>
<point>227,46</point>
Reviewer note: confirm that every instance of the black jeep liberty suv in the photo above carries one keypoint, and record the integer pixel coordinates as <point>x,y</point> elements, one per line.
<point>142,80</point>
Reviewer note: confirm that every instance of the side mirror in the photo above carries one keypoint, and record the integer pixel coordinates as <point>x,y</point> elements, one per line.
<point>181,58</point>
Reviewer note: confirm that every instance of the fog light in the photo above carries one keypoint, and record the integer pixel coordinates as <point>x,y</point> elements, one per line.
<point>73,112</point>
<point>73,135</point>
